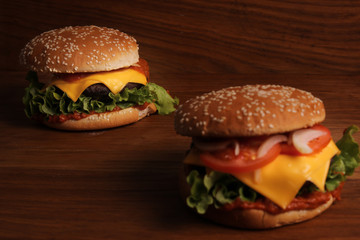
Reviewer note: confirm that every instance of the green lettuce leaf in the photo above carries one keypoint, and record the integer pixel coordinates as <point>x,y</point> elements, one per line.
<point>344,164</point>
<point>164,102</point>
<point>52,101</point>
<point>199,197</point>
<point>216,188</point>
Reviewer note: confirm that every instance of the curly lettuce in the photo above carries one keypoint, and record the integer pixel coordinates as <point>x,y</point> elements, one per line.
<point>218,189</point>
<point>52,101</point>
<point>344,164</point>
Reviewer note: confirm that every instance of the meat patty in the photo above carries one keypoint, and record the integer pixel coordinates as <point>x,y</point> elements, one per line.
<point>100,92</point>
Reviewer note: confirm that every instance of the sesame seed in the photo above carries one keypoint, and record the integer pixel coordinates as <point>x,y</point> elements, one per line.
<point>61,45</point>
<point>249,106</point>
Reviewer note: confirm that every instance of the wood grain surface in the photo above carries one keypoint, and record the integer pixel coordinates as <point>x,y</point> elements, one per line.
<point>122,183</point>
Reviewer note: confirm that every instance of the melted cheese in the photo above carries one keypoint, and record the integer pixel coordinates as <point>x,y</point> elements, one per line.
<point>114,80</point>
<point>282,179</point>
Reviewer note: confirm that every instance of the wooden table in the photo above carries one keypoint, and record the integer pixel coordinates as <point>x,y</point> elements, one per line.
<point>122,183</point>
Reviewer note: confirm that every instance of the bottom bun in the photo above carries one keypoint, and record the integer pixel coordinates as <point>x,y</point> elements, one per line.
<point>259,219</point>
<point>105,120</point>
<point>253,218</point>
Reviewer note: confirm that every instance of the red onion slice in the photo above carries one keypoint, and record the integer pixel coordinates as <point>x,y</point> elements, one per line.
<point>216,146</point>
<point>236,148</point>
<point>269,143</point>
<point>301,138</point>
<point>212,146</point>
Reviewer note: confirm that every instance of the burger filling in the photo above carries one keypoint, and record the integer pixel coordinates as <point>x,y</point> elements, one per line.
<point>100,92</point>
<point>47,101</point>
<point>230,185</point>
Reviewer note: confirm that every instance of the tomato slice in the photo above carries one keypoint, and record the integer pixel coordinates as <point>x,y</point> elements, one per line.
<point>288,149</point>
<point>226,161</point>
<point>316,144</point>
<point>142,66</point>
<point>246,161</point>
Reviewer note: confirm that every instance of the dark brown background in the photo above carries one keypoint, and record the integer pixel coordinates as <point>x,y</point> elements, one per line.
<point>122,183</point>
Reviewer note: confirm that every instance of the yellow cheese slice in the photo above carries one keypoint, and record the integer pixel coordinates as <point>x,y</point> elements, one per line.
<point>114,80</point>
<point>281,179</point>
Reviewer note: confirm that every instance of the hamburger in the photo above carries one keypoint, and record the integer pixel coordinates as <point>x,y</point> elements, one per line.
<point>260,158</point>
<point>88,78</point>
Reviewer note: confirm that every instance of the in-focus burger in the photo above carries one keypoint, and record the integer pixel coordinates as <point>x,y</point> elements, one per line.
<point>89,77</point>
<point>260,158</point>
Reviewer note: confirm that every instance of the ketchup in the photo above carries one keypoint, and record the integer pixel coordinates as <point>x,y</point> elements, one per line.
<point>77,116</point>
<point>70,116</point>
<point>142,107</point>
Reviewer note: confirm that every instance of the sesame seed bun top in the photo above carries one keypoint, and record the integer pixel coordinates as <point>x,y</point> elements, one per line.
<point>250,110</point>
<point>80,49</point>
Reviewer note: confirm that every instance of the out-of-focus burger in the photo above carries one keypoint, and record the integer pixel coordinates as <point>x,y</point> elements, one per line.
<point>89,77</point>
<point>260,158</point>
